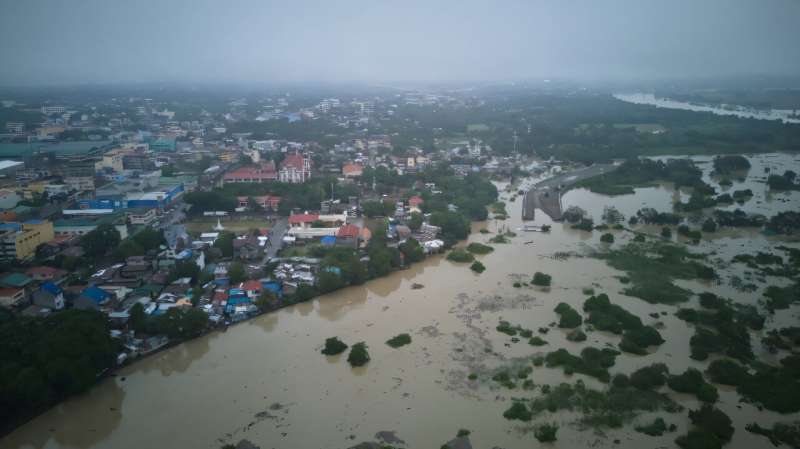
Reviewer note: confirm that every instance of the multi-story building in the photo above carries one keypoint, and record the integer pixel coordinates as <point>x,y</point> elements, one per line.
<point>56,189</point>
<point>19,241</point>
<point>295,169</point>
<point>263,173</point>
<point>112,160</point>
<point>142,216</point>
<point>80,183</point>
<point>15,127</point>
<point>50,110</point>
<point>75,227</point>
<point>268,202</point>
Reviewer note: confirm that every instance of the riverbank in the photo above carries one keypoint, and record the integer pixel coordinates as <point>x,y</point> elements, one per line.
<point>266,379</point>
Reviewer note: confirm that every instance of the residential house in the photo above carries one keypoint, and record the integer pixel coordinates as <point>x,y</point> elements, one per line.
<point>247,248</point>
<point>44,273</point>
<point>348,235</point>
<point>16,280</point>
<point>302,220</point>
<point>50,296</point>
<point>352,170</point>
<point>252,289</point>
<point>92,298</point>
<point>221,273</point>
<point>12,296</point>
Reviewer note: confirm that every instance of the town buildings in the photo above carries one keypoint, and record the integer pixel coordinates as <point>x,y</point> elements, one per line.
<point>295,169</point>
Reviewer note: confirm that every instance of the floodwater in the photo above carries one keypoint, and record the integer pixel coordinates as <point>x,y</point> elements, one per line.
<point>265,379</point>
<point>739,111</point>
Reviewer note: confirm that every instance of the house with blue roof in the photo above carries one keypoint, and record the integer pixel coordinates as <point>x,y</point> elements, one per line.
<point>238,301</point>
<point>92,297</point>
<point>273,286</point>
<point>50,296</point>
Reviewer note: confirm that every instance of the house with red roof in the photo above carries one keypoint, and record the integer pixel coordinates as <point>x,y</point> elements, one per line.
<point>348,235</point>
<point>44,273</point>
<point>252,289</point>
<point>352,170</point>
<point>295,169</point>
<point>302,220</point>
<point>220,298</point>
<point>252,174</point>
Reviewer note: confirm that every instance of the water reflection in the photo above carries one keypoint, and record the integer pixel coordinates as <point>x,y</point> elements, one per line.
<point>266,322</point>
<point>178,359</point>
<point>78,423</point>
<point>334,306</point>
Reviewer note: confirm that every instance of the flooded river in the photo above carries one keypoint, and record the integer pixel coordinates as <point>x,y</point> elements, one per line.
<point>784,115</point>
<point>265,379</point>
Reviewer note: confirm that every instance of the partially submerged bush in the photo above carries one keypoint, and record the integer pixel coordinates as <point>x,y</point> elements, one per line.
<point>727,372</point>
<point>477,267</point>
<point>713,429</point>
<point>334,346</point>
<point>460,255</point>
<point>654,429</point>
<point>601,408</point>
<point>546,433</point>
<point>592,362</point>
<point>607,238</point>
<point>605,316</point>
<point>519,411</point>
<point>479,248</point>
<point>570,318</point>
<point>780,433</point>
<point>542,279</point>
<point>536,341</point>
<point>691,381</point>
<point>399,340</point>
<point>358,355</point>
<point>636,340</point>
<point>650,377</point>
<point>576,335</point>
<point>775,389</point>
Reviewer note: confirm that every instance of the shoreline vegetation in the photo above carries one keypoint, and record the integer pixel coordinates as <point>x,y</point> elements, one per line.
<point>29,391</point>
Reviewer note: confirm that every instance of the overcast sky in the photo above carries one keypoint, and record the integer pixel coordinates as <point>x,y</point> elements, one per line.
<point>115,41</point>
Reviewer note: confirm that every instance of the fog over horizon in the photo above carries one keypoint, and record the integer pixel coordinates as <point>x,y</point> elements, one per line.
<point>52,42</point>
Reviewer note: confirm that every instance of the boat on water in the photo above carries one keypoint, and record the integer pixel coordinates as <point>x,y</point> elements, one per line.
<point>534,228</point>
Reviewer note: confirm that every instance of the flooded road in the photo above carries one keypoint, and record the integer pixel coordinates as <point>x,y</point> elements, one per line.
<point>265,379</point>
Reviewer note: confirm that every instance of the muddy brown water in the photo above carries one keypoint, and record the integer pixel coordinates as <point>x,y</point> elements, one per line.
<point>265,380</point>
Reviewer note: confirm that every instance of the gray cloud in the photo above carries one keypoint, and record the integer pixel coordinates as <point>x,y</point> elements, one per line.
<point>110,41</point>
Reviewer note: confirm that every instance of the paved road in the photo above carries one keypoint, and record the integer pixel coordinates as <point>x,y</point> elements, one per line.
<point>276,237</point>
<point>574,176</point>
<point>546,194</point>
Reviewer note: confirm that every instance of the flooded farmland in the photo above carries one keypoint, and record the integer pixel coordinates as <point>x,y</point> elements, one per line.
<point>265,380</point>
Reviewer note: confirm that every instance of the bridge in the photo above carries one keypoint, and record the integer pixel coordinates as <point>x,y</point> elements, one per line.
<point>546,195</point>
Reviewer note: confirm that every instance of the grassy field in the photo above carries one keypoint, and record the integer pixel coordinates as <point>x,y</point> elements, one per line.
<point>206,224</point>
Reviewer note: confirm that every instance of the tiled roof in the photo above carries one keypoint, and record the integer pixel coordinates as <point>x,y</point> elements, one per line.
<point>348,230</point>
<point>303,218</point>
